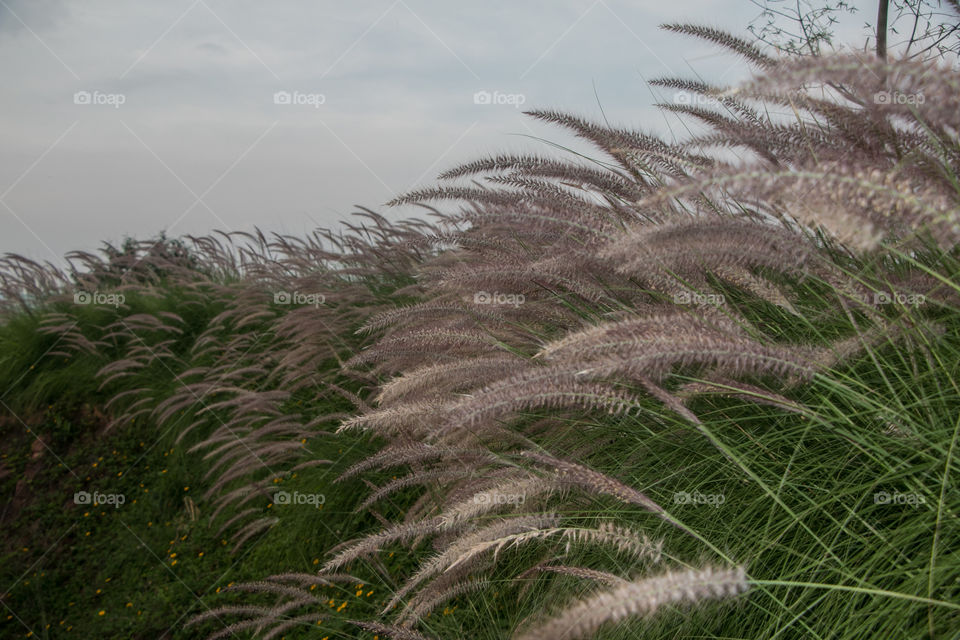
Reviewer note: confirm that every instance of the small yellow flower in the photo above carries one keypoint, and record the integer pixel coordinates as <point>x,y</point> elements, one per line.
<point>102,612</point>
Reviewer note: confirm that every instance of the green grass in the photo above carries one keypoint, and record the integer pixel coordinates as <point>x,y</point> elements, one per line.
<point>799,504</point>
<point>142,568</point>
<point>828,558</point>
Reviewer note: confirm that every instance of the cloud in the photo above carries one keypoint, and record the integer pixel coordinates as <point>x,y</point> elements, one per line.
<point>198,83</point>
<point>36,15</point>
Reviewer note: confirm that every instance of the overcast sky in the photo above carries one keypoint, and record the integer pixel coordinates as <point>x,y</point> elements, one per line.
<point>128,118</point>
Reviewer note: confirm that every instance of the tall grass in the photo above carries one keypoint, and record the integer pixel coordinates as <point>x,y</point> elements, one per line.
<point>665,393</point>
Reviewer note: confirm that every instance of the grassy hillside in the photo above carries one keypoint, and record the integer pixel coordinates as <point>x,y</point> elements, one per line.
<point>659,393</point>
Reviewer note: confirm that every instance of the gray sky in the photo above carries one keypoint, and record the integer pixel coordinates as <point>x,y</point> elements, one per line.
<point>181,126</point>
